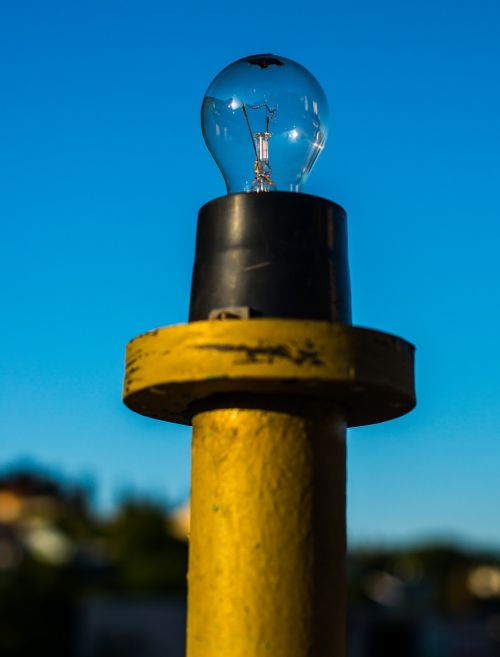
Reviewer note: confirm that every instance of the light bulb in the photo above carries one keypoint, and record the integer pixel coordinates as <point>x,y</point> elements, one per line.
<point>265,121</point>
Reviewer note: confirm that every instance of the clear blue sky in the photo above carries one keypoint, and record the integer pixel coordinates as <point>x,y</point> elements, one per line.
<point>102,171</point>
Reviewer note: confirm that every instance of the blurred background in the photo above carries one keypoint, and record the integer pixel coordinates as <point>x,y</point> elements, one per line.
<point>102,171</point>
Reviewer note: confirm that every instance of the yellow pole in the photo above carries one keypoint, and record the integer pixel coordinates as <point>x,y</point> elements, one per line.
<point>269,401</point>
<point>267,543</point>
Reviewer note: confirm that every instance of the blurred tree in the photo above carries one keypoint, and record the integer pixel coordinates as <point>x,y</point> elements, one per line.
<point>147,558</point>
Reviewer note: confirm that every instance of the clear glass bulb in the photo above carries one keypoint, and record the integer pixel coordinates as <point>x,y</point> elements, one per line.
<point>265,121</point>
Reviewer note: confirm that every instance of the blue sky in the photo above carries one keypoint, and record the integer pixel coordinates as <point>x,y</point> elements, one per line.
<point>103,169</point>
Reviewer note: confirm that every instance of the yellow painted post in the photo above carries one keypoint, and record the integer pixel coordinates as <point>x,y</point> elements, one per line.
<point>267,544</point>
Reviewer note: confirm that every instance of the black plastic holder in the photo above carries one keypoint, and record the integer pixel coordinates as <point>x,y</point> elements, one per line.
<point>274,254</point>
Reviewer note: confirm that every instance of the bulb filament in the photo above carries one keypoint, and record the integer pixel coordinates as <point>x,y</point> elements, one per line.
<point>263,181</point>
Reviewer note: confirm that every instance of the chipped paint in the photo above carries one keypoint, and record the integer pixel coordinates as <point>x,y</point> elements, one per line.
<point>300,356</point>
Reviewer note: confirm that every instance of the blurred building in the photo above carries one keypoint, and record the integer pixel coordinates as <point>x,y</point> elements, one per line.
<point>131,628</point>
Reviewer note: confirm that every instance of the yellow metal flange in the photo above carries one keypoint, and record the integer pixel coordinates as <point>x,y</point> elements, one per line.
<point>369,373</point>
